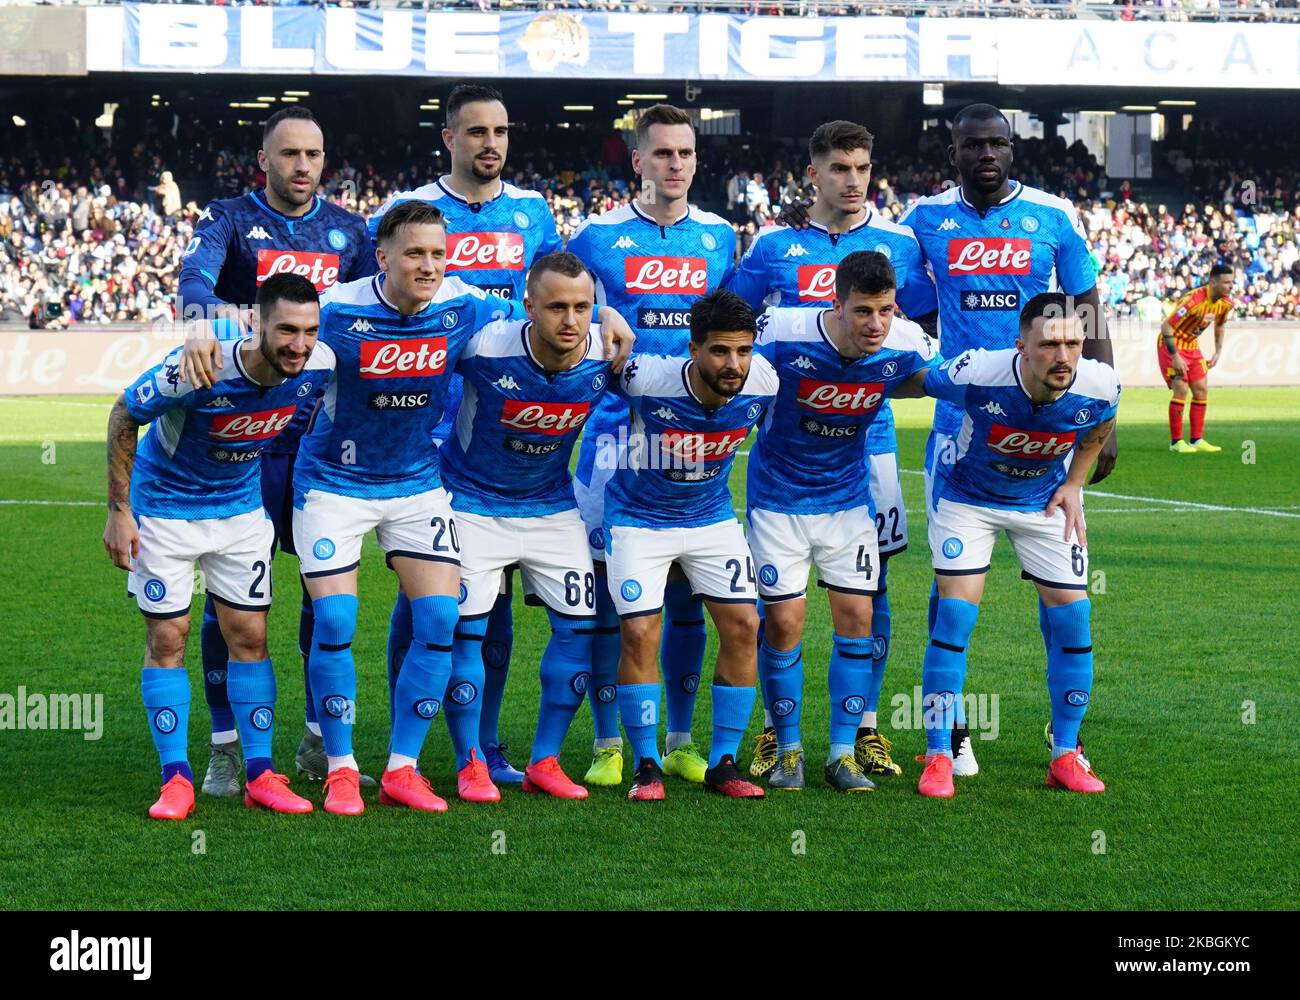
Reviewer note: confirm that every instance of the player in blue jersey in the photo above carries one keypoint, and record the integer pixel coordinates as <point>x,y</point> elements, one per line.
<point>1034,418</point>
<point>190,494</point>
<point>367,464</point>
<point>495,231</point>
<point>796,267</point>
<point>238,244</point>
<point>668,502</point>
<point>652,260</point>
<point>807,505</point>
<point>992,244</point>
<point>529,388</point>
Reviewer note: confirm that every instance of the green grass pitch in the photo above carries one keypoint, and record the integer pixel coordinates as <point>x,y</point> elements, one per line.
<point>1193,726</point>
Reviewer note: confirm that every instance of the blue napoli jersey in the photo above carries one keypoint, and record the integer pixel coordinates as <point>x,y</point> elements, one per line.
<point>198,459</point>
<point>517,424</point>
<point>490,245</point>
<point>1011,452</point>
<point>986,267</point>
<point>240,242</point>
<point>810,456</point>
<point>679,453</point>
<point>652,275</point>
<point>372,435</point>
<point>789,267</point>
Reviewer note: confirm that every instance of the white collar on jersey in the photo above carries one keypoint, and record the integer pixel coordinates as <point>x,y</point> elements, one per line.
<point>1014,193</point>
<point>866,221</point>
<point>444,183</point>
<point>636,209</point>
<point>528,351</point>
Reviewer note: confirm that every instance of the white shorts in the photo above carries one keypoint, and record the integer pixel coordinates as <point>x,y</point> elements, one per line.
<point>328,529</point>
<point>591,506</point>
<point>962,537</point>
<point>891,516</point>
<point>841,545</point>
<point>233,552</point>
<point>714,557</point>
<point>550,551</point>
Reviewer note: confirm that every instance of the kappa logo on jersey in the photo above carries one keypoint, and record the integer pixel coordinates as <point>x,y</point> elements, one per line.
<point>816,282</point>
<point>205,215</point>
<point>544,418</point>
<point>990,255</point>
<point>624,243</point>
<point>485,252</point>
<point>664,413</point>
<point>1000,300</point>
<point>321,269</point>
<point>257,233</point>
<point>506,382</point>
<point>252,426</point>
<point>419,357</point>
<point>840,397</point>
<point>795,250</point>
<point>703,446</point>
<point>361,326</point>
<point>804,362</point>
<point>1042,445</point>
<point>947,224</point>
<point>221,402</point>
<point>993,409</point>
<point>672,275</point>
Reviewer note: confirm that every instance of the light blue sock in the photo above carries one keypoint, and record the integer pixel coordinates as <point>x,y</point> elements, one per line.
<point>252,696</point>
<point>166,694</point>
<point>1045,625</point>
<point>881,632</point>
<point>782,675</point>
<point>333,672</point>
<point>464,703</point>
<point>566,675</point>
<point>681,651</point>
<point>848,679</point>
<point>423,679</point>
<point>1069,672</point>
<point>638,705</point>
<point>399,641</point>
<point>607,642</point>
<point>497,644</point>
<point>944,671</point>
<point>732,707</point>
<point>959,716</point>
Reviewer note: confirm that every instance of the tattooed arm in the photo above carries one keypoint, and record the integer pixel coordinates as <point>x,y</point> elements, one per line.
<point>121,539</point>
<point>1069,495</point>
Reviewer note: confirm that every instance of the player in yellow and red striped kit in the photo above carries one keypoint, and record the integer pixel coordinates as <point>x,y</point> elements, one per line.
<point>1181,363</point>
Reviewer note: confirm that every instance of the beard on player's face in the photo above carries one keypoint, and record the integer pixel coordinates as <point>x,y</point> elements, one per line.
<point>487,170</point>
<point>284,360</point>
<point>287,191</point>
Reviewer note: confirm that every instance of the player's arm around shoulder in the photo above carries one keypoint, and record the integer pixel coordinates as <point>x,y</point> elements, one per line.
<point>952,377</point>
<point>158,390</point>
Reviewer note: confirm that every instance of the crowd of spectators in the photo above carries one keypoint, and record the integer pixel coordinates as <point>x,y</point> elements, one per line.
<point>102,243</point>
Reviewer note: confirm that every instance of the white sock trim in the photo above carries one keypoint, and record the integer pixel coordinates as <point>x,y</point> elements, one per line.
<point>334,763</point>
<point>225,736</point>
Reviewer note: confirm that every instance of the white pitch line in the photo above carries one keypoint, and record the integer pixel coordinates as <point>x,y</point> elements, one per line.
<point>1187,505</point>
<point>54,402</point>
<point>50,503</point>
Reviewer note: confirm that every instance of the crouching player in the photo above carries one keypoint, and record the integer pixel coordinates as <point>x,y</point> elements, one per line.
<point>1034,418</point>
<point>807,506</point>
<point>192,493</point>
<point>529,387</point>
<point>669,502</point>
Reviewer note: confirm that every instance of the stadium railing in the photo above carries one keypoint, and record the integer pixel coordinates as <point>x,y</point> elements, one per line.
<point>1142,10</point>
